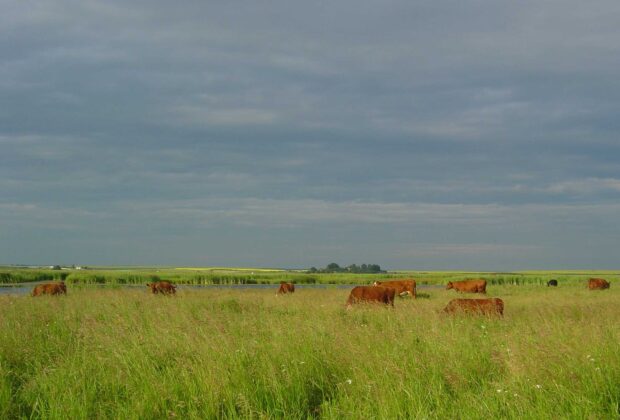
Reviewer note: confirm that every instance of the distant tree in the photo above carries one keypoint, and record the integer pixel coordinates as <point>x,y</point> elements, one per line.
<point>332,267</point>
<point>353,268</point>
<point>374,268</point>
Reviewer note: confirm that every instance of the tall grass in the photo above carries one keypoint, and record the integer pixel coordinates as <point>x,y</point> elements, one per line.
<point>249,354</point>
<point>29,275</point>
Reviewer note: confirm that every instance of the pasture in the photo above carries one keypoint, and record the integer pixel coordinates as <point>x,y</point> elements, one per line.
<point>217,353</point>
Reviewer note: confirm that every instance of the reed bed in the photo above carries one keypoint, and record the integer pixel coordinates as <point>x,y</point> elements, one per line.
<point>239,276</point>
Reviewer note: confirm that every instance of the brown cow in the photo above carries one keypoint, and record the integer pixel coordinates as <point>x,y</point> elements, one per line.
<point>469,286</point>
<point>493,306</point>
<point>56,288</point>
<point>285,288</point>
<point>376,294</point>
<point>594,284</point>
<point>163,287</point>
<point>401,286</point>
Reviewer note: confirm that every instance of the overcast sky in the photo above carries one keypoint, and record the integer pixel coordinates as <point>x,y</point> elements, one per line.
<point>476,135</point>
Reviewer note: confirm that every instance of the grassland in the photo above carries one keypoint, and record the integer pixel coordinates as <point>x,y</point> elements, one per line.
<point>224,275</point>
<point>218,353</point>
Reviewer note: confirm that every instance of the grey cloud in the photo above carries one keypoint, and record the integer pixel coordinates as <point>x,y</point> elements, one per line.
<point>385,118</point>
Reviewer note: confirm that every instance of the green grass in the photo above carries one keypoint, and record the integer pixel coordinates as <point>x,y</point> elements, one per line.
<point>123,353</point>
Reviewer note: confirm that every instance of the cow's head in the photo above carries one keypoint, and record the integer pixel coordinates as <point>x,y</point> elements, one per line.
<point>449,285</point>
<point>377,283</point>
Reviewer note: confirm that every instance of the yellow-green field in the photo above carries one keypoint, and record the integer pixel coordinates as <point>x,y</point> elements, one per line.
<point>221,353</point>
<point>232,269</point>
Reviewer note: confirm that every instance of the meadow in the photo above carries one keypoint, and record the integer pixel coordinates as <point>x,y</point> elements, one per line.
<point>223,353</point>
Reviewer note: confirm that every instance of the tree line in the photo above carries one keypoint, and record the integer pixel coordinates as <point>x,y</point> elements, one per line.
<point>353,268</point>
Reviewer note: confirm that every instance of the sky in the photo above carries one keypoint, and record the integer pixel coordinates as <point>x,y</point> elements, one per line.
<point>423,135</point>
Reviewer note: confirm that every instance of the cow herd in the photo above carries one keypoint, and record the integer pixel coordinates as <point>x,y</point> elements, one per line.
<point>382,292</point>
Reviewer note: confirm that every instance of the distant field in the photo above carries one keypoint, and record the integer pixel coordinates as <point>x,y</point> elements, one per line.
<point>222,353</point>
<point>258,270</point>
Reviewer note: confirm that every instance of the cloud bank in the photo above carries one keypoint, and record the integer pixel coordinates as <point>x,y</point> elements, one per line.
<point>460,135</point>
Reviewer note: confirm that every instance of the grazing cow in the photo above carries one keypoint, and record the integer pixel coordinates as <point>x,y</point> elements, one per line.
<point>163,287</point>
<point>468,286</point>
<point>594,284</point>
<point>401,286</point>
<point>57,288</point>
<point>376,294</point>
<point>286,288</point>
<point>552,283</point>
<point>493,306</point>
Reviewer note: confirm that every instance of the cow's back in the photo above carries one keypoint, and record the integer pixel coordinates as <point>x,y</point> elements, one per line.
<point>400,286</point>
<point>470,286</point>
